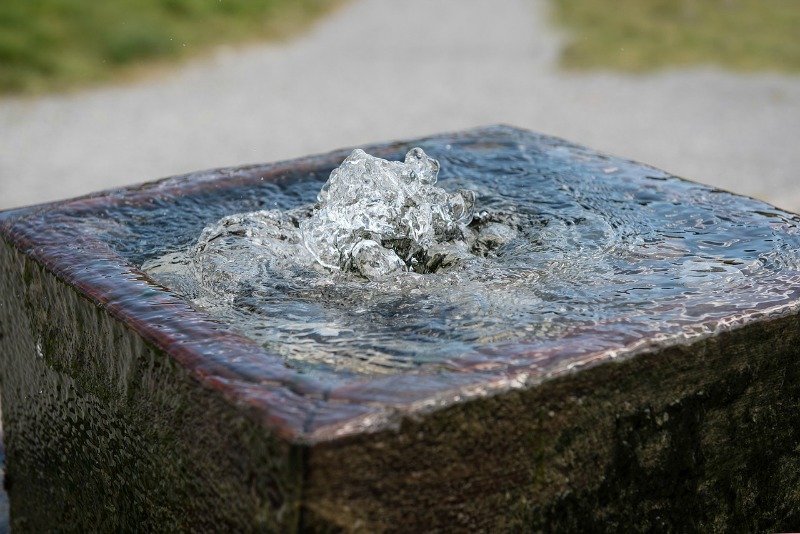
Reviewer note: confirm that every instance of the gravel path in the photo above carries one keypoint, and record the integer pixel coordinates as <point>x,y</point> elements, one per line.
<point>379,70</point>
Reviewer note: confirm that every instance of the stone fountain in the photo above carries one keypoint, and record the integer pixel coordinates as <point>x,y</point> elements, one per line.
<point>578,342</point>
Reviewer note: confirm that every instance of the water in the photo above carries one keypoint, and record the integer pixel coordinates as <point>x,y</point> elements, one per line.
<point>379,218</point>
<point>563,248</point>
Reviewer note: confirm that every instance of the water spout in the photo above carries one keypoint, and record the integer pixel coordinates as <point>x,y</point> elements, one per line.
<point>379,217</point>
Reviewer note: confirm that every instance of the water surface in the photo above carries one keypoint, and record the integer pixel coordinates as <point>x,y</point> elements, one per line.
<point>601,248</point>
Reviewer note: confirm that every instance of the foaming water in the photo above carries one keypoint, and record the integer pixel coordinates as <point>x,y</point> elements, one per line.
<point>378,218</point>
<point>564,244</point>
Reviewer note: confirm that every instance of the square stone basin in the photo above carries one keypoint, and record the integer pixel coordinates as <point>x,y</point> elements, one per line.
<point>668,402</point>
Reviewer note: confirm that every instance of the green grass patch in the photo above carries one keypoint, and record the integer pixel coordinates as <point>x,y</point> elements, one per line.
<point>48,45</point>
<point>643,35</point>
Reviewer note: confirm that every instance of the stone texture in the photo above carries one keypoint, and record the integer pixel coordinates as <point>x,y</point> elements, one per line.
<point>701,438</point>
<point>107,433</point>
<point>125,409</point>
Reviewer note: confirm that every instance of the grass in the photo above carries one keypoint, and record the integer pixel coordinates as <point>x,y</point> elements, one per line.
<point>48,45</point>
<point>644,35</point>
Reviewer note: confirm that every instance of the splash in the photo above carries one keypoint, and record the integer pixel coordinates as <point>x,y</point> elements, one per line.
<point>379,218</point>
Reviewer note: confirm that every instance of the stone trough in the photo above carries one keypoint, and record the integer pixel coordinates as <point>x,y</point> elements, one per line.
<point>127,407</point>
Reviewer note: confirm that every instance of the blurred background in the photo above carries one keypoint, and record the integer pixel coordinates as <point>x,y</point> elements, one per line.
<point>100,95</point>
<point>95,95</point>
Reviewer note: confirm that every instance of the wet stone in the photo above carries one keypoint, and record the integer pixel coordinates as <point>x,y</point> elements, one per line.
<point>525,336</point>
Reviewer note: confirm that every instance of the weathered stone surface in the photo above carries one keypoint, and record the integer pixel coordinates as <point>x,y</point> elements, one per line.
<point>105,432</point>
<point>126,409</point>
<point>701,438</point>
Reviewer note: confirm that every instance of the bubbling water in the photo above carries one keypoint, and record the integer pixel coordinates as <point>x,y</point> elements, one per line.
<point>379,229</point>
<point>391,271</point>
<point>379,217</point>
<point>374,218</point>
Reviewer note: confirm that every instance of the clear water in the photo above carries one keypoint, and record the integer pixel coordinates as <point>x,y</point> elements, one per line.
<point>379,218</point>
<point>566,248</point>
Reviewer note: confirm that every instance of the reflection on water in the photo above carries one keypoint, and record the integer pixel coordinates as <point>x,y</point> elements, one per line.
<point>566,244</point>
